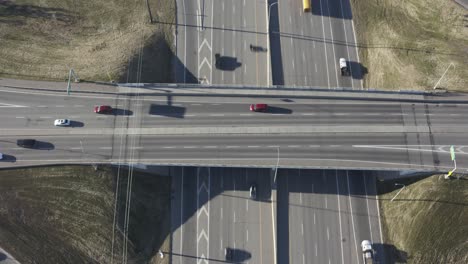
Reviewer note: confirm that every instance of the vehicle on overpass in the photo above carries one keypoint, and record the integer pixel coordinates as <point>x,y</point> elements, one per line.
<point>258,107</point>
<point>344,67</point>
<point>62,122</point>
<point>103,109</point>
<point>306,5</point>
<point>26,143</point>
<point>367,251</point>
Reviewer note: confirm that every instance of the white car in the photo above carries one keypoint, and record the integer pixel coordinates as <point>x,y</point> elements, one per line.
<point>62,122</point>
<point>1,156</point>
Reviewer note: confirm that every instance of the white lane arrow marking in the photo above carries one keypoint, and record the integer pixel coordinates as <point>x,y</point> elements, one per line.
<point>204,187</point>
<point>11,105</point>
<point>202,234</point>
<point>205,42</point>
<point>204,61</point>
<point>203,209</point>
<point>440,149</point>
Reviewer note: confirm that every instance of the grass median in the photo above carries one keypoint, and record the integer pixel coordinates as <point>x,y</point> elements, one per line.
<point>427,222</point>
<point>100,40</point>
<point>409,44</point>
<point>65,214</point>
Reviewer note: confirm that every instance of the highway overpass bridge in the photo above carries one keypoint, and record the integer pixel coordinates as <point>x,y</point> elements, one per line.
<point>308,129</point>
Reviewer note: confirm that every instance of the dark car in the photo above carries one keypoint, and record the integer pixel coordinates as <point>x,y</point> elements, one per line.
<point>253,191</point>
<point>228,254</point>
<point>258,107</point>
<point>26,143</point>
<point>103,109</point>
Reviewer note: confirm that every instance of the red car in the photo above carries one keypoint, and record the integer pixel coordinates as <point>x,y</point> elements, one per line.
<point>258,107</point>
<point>103,109</point>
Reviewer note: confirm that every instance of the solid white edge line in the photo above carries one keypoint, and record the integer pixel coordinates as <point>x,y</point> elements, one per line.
<point>352,217</point>
<point>367,205</point>
<point>333,47</point>
<point>339,216</point>
<point>357,52</point>
<point>273,225</point>
<point>181,214</point>
<point>346,43</point>
<point>325,46</point>
<point>209,210</point>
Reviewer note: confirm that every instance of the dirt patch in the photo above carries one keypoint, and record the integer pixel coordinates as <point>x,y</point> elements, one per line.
<point>409,44</point>
<point>65,214</point>
<point>427,222</point>
<point>98,39</point>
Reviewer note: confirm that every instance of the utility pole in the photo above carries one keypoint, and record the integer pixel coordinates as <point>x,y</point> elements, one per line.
<point>398,184</point>
<point>435,86</point>
<point>149,12</point>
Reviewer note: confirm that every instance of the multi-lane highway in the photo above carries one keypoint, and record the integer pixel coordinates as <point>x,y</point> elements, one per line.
<point>228,28</point>
<point>295,48</point>
<point>311,44</point>
<point>306,216</point>
<point>215,130</point>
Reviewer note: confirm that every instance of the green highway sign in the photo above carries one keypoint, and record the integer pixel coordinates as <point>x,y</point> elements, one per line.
<point>452,152</point>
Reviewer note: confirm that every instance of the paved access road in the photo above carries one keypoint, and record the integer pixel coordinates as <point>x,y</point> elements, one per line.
<point>228,28</point>
<point>213,130</point>
<point>306,46</point>
<point>308,216</point>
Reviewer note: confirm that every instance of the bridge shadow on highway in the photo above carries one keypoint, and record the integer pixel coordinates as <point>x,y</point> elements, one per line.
<point>334,8</point>
<point>188,184</point>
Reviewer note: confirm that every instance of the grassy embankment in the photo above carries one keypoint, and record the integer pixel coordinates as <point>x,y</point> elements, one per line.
<point>100,40</point>
<point>428,221</point>
<point>65,214</point>
<point>409,44</point>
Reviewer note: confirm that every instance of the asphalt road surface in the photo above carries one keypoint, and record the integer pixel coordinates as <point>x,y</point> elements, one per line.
<point>291,47</point>
<point>212,211</point>
<point>306,46</point>
<point>308,216</point>
<point>222,131</point>
<point>228,28</point>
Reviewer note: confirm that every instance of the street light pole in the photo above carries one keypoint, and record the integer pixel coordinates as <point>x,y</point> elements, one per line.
<point>277,164</point>
<point>398,184</point>
<point>269,12</point>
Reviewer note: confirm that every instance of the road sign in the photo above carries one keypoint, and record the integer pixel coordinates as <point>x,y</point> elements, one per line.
<point>452,152</point>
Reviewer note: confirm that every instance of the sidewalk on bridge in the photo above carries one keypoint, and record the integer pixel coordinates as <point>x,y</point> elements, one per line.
<point>220,91</point>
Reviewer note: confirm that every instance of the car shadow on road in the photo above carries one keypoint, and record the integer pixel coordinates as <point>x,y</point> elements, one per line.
<point>122,112</point>
<point>8,158</point>
<point>42,145</point>
<point>76,123</point>
<point>167,110</point>
<point>226,63</point>
<point>357,70</point>
<point>387,253</point>
<point>278,110</point>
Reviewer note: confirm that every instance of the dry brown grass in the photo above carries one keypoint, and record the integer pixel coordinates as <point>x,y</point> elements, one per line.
<point>64,214</point>
<point>428,220</point>
<point>98,39</point>
<point>409,44</point>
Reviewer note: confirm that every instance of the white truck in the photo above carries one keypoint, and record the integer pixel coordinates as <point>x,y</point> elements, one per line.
<point>344,67</point>
<point>367,251</point>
